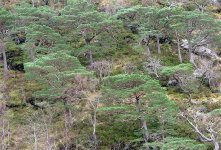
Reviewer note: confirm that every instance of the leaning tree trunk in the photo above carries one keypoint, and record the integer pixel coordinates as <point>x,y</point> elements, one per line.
<point>178,48</point>
<point>143,122</point>
<point>158,44</point>
<point>204,138</point>
<point>216,145</point>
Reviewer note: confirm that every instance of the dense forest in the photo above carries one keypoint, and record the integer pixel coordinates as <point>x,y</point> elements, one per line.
<point>110,75</point>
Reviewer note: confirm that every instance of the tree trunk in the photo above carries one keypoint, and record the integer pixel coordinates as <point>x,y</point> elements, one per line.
<point>148,52</point>
<point>158,44</point>
<point>35,138</point>
<point>67,114</point>
<point>145,131</point>
<point>216,145</point>
<point>146,41</point>
<point>2,48</point>
<point>90,57</point>
<point>190,98</point>
<point>33,3</point>
<point>190,52</point>
<point>190,47</point>
<point>5,63</point>
<point>143,122</point>
<point>94,129</point>
<point>178,48</point>
<point>94,123</point>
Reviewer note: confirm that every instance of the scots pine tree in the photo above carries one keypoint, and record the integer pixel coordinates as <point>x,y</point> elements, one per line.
<point>176,29</point>
<point>26,15</point>
<point>95,32</point>
<point>42,40</point>
<point>198,28</point>
<point>59,74</point>
<point>138,97</point>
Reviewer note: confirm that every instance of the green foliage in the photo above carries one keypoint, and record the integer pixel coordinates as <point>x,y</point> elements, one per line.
<point>195,26</point>
<point>6,22</point>
<point>41,40</point>
<point>182,73</point>
<point>172,143</point>
<point>124,86</point>
<point>55,72</point>
<point>52,41</point>
<point>130,17</point>
<point>5,16</point>
<point>93,31</point>
<point>181,68</point>
<point>26,15</point>
<point>14,56</point>
<point>216,112</point>
<point>42,33</point>
<point>117,132</point>
<point>130,89</point>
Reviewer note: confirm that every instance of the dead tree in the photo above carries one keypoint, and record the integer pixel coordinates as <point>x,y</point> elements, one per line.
<point>94,107</point>
<point>153,66</point>
<point>206,125</point>
<point>102,68</point>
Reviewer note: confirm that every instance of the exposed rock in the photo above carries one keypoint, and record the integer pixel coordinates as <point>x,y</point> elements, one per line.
<point>204,51</point>
<point>201,51</point>
<point>207,64</point>
<point>172,82</point>
<point>198,72</point>
<point>184,44</point>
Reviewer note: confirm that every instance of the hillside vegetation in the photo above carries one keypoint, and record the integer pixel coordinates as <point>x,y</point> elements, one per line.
<point>110,75</point>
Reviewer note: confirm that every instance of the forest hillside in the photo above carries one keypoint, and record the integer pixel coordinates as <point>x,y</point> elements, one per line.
<point>110,75</point>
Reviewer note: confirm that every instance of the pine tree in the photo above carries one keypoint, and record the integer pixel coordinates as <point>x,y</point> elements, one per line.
<point>174,143</point>
<point>58,73</point>
<point>41,40</point>
<point>183,76</point>
<point>97,32</point>
<point>26,15</point>
<point>138,96</point>
<point>198,28</point>
<point>151,24</point>
<point>176,27</point>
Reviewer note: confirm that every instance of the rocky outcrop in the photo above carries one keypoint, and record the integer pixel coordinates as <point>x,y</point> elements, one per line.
<point>207,63</point>
<point>206,52</point>
<point>202,51</point>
